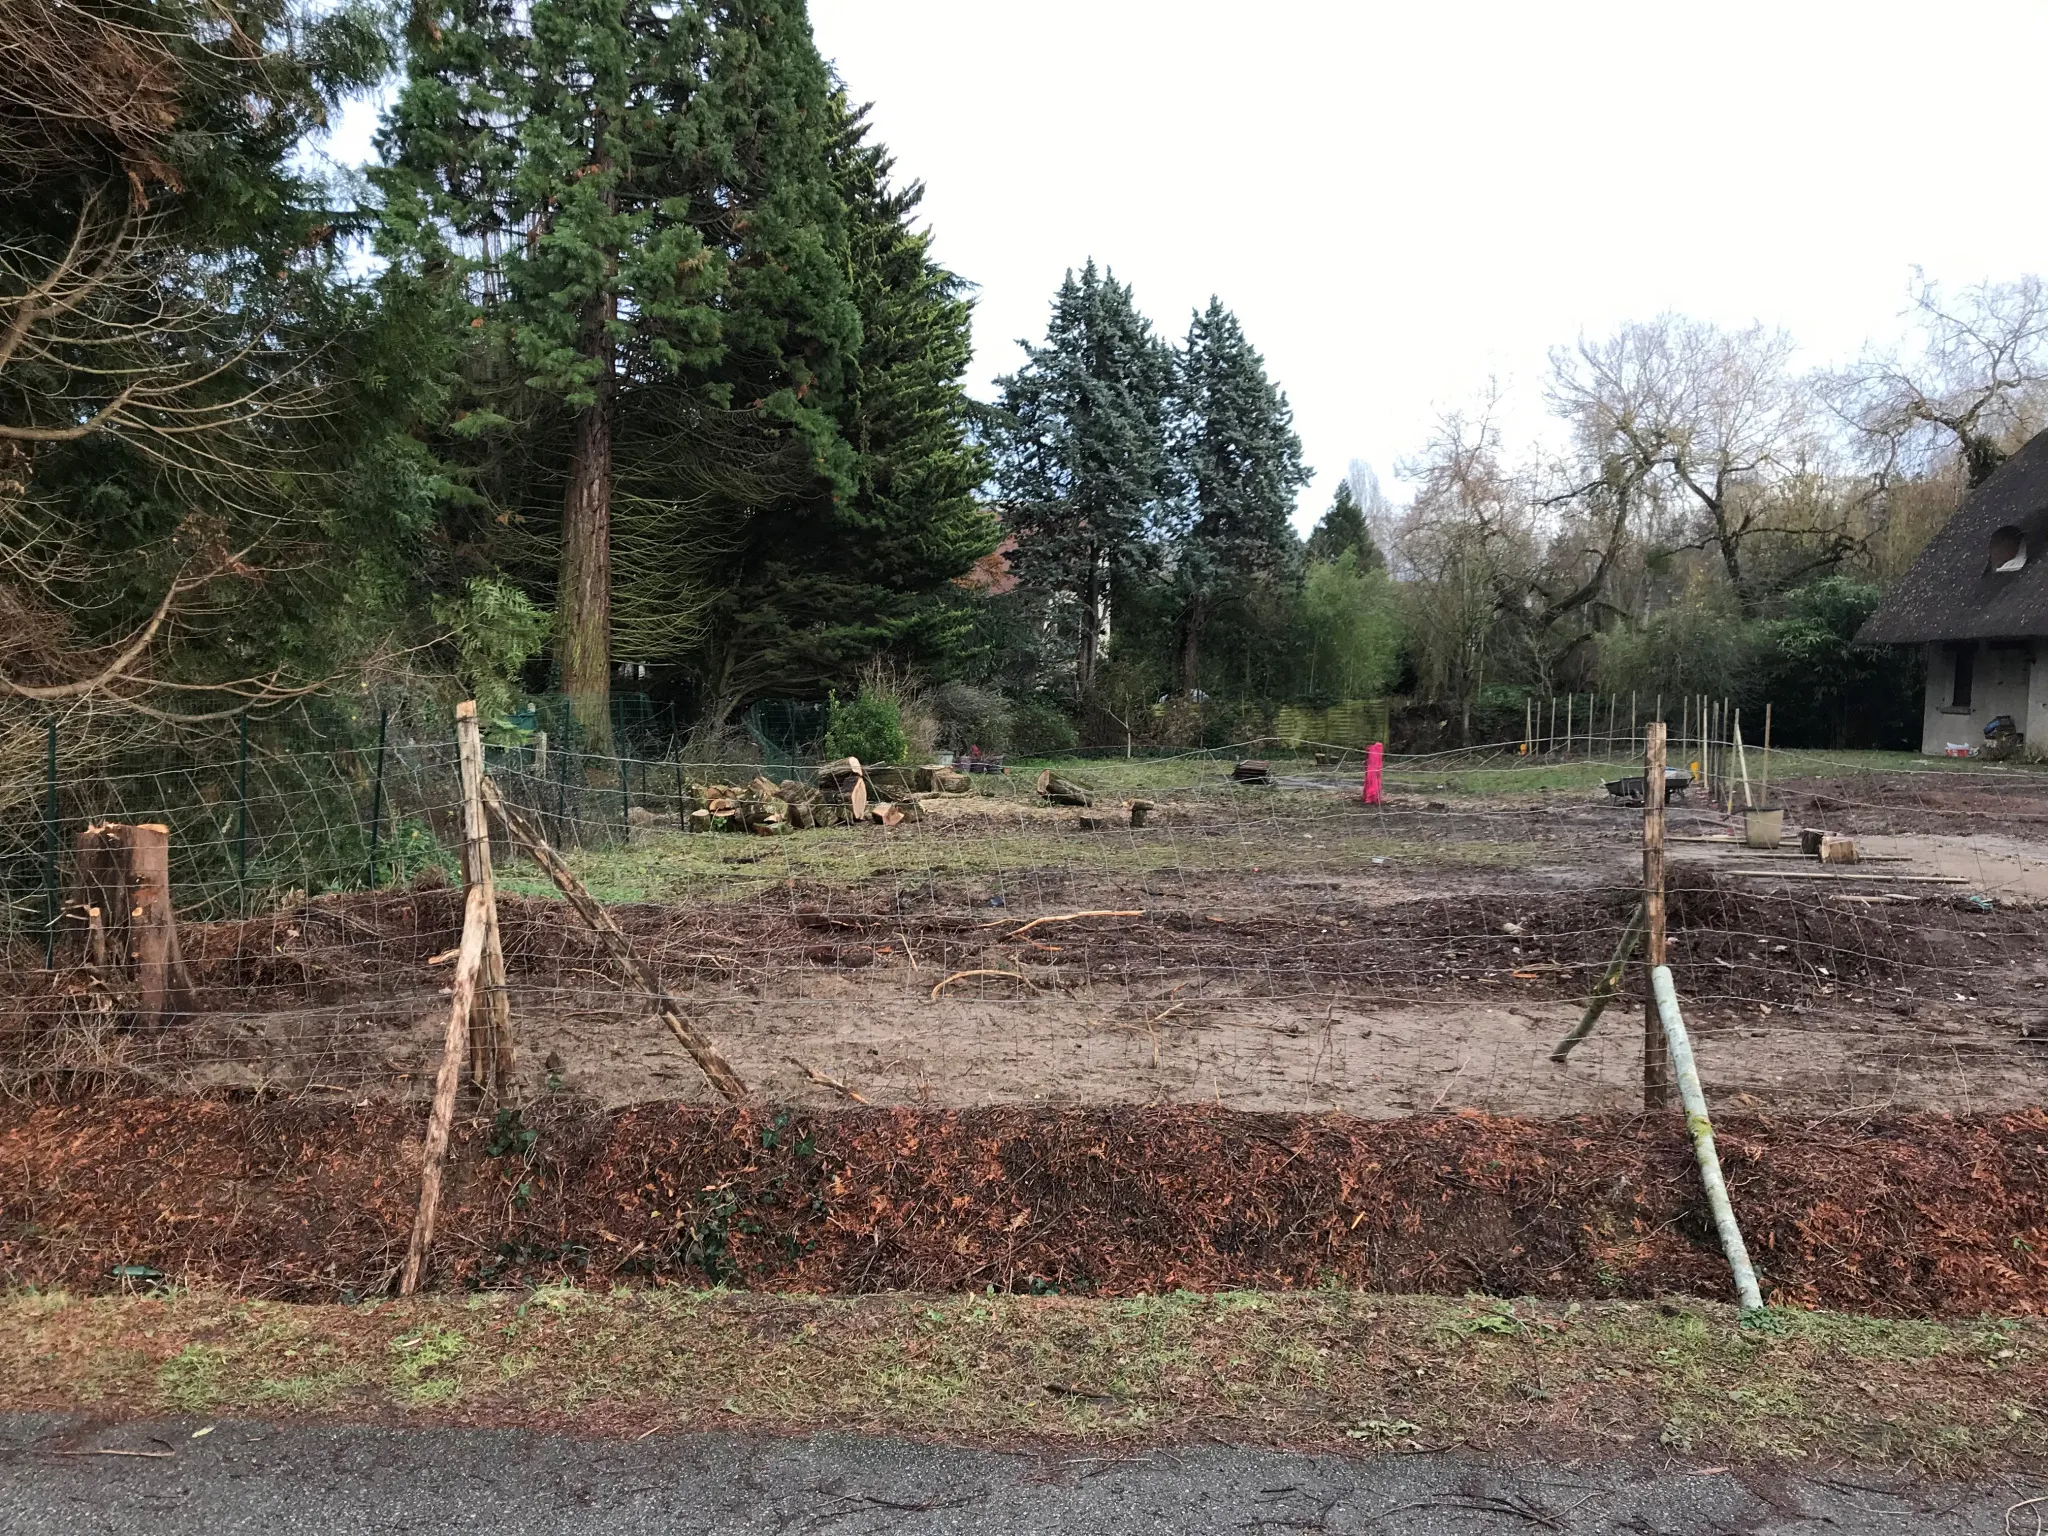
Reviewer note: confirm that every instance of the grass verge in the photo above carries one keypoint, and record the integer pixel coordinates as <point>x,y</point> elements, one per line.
<point>1329,1369</point>
<point>1301,836</point>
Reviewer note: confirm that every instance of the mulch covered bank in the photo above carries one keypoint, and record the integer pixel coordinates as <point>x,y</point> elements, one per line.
<point>1904,1215</point>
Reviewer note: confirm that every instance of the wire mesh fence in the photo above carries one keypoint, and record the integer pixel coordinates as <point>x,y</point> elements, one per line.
<point>1275,944</point>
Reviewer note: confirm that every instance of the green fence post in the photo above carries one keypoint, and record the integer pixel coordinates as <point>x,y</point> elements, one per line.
<point>625,802</point>
<point>50,858</point>
<point>242,813</point>
<point>377,801</point>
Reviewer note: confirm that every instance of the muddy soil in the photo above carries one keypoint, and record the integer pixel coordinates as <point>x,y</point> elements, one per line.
<point>1991,799</point>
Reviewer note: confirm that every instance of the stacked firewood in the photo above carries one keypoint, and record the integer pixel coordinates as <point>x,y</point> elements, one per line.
<point>843,794</point>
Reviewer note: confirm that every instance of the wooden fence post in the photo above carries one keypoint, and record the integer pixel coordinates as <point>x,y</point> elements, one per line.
<point>1656,1068</point>
<point>491,1050</point>
<point>440,1121</point>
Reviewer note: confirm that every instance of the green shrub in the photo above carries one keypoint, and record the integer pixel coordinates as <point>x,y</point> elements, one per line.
<point>495,627</point>
<point>869,727</point>
<point>1041,728</point>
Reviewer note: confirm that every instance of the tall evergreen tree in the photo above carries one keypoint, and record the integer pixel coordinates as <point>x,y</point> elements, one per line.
<point>1239,468</point>
<point>1081,462</point>
<point>554,158</point>
<point>816,579</point>
<point>696,306</point>
<point>1343,527</point>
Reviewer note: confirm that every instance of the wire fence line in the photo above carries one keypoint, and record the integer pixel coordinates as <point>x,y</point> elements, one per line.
<point>1275,945</point>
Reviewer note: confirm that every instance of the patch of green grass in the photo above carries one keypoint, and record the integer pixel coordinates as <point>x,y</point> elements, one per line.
<point>1318,1369</point>
<point>190,1381</point>
<point>423,1373</point>
<point>1290,833</point>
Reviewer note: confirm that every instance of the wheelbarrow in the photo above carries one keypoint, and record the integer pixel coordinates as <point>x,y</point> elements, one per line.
<point>1630,791</point>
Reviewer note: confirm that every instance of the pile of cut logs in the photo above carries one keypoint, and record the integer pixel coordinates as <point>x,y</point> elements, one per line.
<point>845,794</point>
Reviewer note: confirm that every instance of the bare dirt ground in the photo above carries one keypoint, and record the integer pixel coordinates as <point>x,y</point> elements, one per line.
<point>1287,952</point>
<point>892,1045</point>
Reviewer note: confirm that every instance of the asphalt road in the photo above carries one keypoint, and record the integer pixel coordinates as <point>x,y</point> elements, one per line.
<point>282,1480</point>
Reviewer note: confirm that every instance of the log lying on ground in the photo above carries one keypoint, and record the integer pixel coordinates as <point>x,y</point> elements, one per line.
<point>892,783</point>
<point>1061,790</point>
<point>1253,771</point>
<point>714,1066</point>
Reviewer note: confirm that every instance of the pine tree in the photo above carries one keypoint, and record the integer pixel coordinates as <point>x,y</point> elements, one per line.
<point>552,162</point>
<point>1239,467</point>
<point>1080,457</point>
<point>205,409</point>
<point>816,580</point>
<point>1343,527</point>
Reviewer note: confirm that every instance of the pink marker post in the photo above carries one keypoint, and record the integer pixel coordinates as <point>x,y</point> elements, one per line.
<point>1373,754</point>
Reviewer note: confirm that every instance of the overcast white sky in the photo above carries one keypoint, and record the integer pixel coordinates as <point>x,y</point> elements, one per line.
<point>1400,200</point>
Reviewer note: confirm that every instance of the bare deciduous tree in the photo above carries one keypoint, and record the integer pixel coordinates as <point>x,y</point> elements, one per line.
<point>1718,426</point>
<point>1977,385</point>
<point>1464,547</point>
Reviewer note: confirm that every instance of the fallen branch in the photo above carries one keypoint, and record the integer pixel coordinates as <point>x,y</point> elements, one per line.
<point>1821,874</point>
<point>1607,986</point>
<point>1063,917</point>
<point>714,1066</point>
<point>963,975</point>
<point>823,1081</point>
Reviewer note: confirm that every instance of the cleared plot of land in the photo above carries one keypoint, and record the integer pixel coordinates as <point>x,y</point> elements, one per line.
<point>1270,948</point>
<point>997,972</point>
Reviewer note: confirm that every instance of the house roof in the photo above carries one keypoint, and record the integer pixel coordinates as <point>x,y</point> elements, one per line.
<point>1952,591</point>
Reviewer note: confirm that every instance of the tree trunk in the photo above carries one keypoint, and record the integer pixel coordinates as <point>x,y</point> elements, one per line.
<point>583,596</point>
<point>1191,621</point>
<point>1091,626</point>
<point>124,872</point>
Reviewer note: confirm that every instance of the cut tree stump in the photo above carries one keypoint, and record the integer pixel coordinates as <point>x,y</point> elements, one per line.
<point>1141,812</point>
<point>1253,772</point>
<point>125,871</point>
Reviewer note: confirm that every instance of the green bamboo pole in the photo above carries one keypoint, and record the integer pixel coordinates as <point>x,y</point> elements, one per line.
<point>50,896</point>
<point>377,801</point>
<point>242,812</point>
<point>1694,1098</point>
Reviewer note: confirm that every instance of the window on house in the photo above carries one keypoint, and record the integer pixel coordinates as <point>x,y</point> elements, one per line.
<point>2008,550</point>
<point>1964,672</point>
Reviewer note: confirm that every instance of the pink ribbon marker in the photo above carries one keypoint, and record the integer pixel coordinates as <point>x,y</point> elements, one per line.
<point>1373,754</point>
